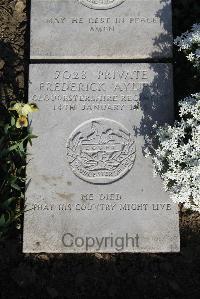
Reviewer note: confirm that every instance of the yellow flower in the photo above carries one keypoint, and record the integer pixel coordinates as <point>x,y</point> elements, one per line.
<point>33,107</point>
<point>24,109</point>
<point>28,108</point>
<point>21,122</point>
<point>17,107</point>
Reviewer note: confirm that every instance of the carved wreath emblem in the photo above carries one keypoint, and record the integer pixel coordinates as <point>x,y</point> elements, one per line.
<point>101,151</point>
<point>101,4</point>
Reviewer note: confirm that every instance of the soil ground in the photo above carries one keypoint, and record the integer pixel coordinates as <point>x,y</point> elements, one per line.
<point>71,276</point>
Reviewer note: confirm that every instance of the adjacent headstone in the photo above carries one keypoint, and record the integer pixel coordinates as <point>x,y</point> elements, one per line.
<point>101,29</point>
<point>90,187</point>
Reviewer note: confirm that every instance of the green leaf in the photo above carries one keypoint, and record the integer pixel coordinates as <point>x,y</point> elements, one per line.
<point>2,220</point>
<point>8,202</point>
<point>21,147</point>
<point>32,136</point>
<point>13,121</point>
<point>13,147</point>
<point>30,142</point>
<point>15,186</point>
<point>2,140</point>
<point>12,103</point>
<point>6,128</point>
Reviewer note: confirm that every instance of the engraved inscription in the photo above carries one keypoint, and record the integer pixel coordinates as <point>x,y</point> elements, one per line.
<point>101,4</point>
<point>101,151</point>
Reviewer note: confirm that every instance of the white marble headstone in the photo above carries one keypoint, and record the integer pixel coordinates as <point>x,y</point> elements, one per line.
<point>89,186</point>
<point>101,29</point>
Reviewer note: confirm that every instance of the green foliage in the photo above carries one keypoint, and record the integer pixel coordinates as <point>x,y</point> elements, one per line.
<point>13,142</point>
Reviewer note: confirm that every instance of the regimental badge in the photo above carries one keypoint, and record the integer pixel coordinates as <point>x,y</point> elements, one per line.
<point>101,151</point>
<point>101,4</point>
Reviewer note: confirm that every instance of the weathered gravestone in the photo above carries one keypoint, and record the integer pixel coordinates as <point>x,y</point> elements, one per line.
<point>90,188</point>
<point>101,29</point>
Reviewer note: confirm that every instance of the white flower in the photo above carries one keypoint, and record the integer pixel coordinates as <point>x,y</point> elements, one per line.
<point>177,157</point>
<point>191,56</point>
<point>189,42</point>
